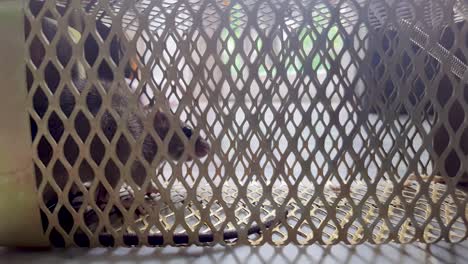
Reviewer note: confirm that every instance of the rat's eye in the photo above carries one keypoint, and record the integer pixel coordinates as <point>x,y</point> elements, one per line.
<point>187,131</point>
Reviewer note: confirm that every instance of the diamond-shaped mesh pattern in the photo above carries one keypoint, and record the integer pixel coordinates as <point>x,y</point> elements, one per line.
<point>326,121</point>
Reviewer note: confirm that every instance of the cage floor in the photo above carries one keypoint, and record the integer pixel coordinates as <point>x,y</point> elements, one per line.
<point>358,215</point>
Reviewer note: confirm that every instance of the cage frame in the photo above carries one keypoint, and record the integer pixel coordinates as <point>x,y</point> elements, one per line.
<point>13,115</point>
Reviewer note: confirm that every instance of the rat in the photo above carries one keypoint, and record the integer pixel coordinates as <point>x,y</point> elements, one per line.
<point>134,121</point>
<point>136,118</point>
<point>108,123</point>
<point>52,79</point>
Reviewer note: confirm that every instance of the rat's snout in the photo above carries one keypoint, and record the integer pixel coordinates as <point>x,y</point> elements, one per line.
<point>201,148</point>
<point>176,145</point>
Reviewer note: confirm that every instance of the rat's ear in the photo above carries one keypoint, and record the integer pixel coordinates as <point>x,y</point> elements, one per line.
<point>161,123</point>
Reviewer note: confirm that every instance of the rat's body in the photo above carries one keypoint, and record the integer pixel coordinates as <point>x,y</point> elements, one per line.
<point>135,120</point>
<point>107,119</point>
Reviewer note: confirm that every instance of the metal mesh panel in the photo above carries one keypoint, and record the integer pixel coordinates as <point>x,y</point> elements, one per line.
<point>248,122</point>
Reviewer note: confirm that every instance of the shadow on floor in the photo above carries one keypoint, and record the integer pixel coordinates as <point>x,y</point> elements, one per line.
<point>365,253</point>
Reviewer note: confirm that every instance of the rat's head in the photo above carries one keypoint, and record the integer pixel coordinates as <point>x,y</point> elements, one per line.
<point>176,145</point>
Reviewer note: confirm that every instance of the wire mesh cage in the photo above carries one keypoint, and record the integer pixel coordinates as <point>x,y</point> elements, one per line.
<point>236,122</point>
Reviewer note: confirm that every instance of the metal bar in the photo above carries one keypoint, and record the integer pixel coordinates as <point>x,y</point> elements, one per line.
<point>20,223</point>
